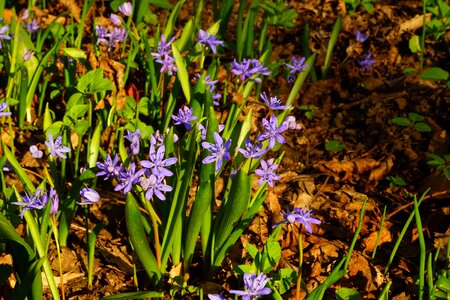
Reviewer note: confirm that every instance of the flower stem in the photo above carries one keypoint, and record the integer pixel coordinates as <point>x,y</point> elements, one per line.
<point>300,265</point>
<point>55,233</point>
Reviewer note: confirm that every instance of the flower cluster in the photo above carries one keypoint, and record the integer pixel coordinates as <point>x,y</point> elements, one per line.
<point>210,40</point>
<point>56,147</point>
<point>164,57</point>
<point>38,201</point>
<point>255,286</point>
<point>299,215</point>
<point>151,174</point>
<point>111,37</point>
<point>32,25</point>
<point>184,117</point>
<point>249,68</point>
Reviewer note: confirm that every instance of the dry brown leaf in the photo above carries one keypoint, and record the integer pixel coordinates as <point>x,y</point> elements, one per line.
<point>74,9</point>
<point>370,242</point>
<point>356,166</point>
<point>385,167</point>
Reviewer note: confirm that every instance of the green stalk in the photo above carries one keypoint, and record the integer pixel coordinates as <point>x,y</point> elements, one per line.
<point>355,237</point>
<point>300,265</point>
<point>34,231</point>
<point>422,250</point>
<point>331,45</point>
<point>379,232</point>
<point>58,251</point>
<point>402,234</point>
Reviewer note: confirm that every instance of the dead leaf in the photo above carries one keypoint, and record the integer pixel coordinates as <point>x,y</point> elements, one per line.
<point>370,242</point>
<point>379,172</point>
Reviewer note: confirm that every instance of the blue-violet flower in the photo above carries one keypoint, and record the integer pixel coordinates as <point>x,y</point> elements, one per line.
<point>273,102</point>
<point>267,174</point>
<point>88,196</point>
<point>56,147</point>
<point>254,286</point>
<point>273,132</point>
<point>210,40</point>
<point>184,117</point>
<point>218,151</point>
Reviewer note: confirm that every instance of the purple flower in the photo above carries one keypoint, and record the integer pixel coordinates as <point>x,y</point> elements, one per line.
<point>128,178</point>
<point>88,196</point>
<point>3,106</point>
<point>273,103</point>
<point>32,26</point>
<point>115,19</point>
<point>253,151</point>
<point>249,68</point>
<point>4,36</point>
<point>154,186</point>
<point>164,47</point>
<point>167,63</point>
<point>273,132</point>
<point>28,55</point>
<point>35,152</point>
<point>184,117</point>
<point>126,9</point>
<point>304,217</point>
<point>102,35</point>
<point>57,149</point>
<point>288,218</point>
<point>254,286</point>
<point>54,201</point>
<point>25,14</point>
<point>218,151</point>
<point>291,123</point>
<point>157,164</point>
<point>109,168</point>
<point>267,172</point>
<point>37,201</point>
<point>209,40</point>
<point>366,63</point>
<point>133,137</point>
<point>361,37</point>
<point>118,35</point>
<point>211,84</point>
<point>216,297</point>
<point>298,65</point>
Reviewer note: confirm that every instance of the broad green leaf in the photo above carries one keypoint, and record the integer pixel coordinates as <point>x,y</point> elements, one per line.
<point>138,239</point>
<point>8,233</point>
<point>347,294</point>
<point>414,44</point>
<point>182,73</point>
<point>334,146</point>
<point>422,127</point>
<point>434,74</point>
<point>95,146</point>
<point>415,117</point>
<point>74,52</point>
<point>401,121</point>
<point>252,250</point>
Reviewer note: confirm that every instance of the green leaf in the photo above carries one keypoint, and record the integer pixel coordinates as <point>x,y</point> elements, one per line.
<point>273,251</point>
<point>401,121</point>
<point>252,250</point>
<point>408,71</point>
<point>434,74</point>
<point>95,146</point>
<point>74,53</point>
<point>134,295</point>
<point>182,73</point>
<point>415,117</point>
<point>414,44</point>
<point>8,233</point>
<point>435,160</point>
<point>422,127</point>
<point>138,238</point>
<point>334,146</point>
<point>347,294</point>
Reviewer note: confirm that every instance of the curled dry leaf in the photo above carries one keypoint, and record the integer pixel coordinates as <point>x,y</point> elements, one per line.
<point>370,242</point>
<point>350,168</point>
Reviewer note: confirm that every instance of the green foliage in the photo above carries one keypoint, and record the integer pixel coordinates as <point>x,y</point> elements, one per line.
<point>353,5</point>
<point>396,181</point>
<point>347,294</point>
<point>440,20</point>
<point>414,120</point>
<point>441,163</point>
<point>334,146</point>
<point>434,74</point>
<point>278,14</point>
